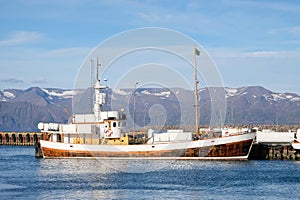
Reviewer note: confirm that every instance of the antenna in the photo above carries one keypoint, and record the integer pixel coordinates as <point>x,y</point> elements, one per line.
<point>91,92</point>
<point>99,96</point>
<point>97,69</point>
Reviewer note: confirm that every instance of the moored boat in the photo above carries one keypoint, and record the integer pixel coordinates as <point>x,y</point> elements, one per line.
<point>274,138</point>
<point>296,145</point>
<point>102,135</point>
<point>231,147</point>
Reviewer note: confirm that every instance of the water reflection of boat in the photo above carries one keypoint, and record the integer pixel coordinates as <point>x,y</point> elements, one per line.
<point>102,134</point>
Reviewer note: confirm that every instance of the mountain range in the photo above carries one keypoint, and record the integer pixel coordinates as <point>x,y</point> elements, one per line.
<point>22,110</point>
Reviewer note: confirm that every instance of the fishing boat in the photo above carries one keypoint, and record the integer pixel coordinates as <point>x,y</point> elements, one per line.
<point>102,135</point>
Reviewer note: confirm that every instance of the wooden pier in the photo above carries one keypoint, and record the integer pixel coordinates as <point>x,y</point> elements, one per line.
<point>269,152</point>
<point>20,138</point>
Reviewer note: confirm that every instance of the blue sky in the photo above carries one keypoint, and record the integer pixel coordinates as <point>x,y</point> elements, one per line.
<point>43,43</point>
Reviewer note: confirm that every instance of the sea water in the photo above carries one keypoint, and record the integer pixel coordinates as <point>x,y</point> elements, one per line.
<point>23,176</point>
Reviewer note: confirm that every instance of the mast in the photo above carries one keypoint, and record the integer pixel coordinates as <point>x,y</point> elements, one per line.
<point>196,53</point>
<point>97,70</point>
<point>99,96</point>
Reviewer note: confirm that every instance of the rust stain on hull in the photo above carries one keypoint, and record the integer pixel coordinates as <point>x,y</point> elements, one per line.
<point>237,149</point>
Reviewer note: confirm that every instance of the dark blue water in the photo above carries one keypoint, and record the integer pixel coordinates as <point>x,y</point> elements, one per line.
<point>22,176</point>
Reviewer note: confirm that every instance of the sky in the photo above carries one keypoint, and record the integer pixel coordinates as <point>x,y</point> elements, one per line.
<point>44,43</point>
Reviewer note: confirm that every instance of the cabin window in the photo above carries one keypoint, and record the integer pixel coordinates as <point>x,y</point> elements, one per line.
<point>114,124</point>
<point>58,138</point>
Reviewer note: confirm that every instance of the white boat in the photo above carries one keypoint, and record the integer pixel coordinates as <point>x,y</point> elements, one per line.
<point>296,145</point>
<point>102,135</point>
<point>274,138</point>
<point>233,147</point>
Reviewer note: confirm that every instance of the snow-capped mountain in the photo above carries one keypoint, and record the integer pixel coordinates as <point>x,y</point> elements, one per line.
<point>8,94</point>
<point>37,95</point>
<point>21,110</point>
<point>245,105</point>
<point>258,105</point>
<point>257,92</point>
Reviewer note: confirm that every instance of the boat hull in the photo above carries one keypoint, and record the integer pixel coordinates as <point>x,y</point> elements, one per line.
<point>233,147</point>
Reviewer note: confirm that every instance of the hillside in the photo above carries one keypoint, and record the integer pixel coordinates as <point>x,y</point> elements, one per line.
<point>21,110</point>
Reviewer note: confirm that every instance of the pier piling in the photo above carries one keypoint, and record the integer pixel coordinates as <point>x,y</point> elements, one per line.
<point>269,152</point>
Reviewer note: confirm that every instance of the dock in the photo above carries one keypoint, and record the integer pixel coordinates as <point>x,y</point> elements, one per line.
<point>267,152</point>
<point>20,138</point>
<point>273,145</point>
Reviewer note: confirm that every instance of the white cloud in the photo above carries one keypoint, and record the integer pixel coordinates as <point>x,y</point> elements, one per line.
<point>242,53</point>
<point>295,30</point>
<point>270,54</point>
<point>155,17</point>
<point>65,52</point>
<point>21,37</point>
<point>39,67</point>
<point>11,81</point>
<point>281,6</point>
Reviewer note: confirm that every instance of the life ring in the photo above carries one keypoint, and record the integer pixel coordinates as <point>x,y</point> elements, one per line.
<point>108,133</point>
